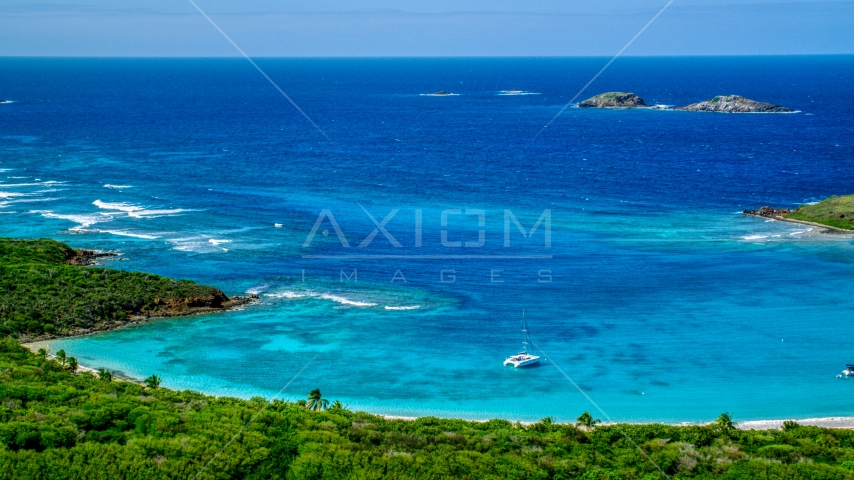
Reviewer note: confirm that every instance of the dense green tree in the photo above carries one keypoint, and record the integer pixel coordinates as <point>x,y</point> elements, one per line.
<point>724,421</point>
<point>152,382</point>
<point>60,355</point>
<point>315,401</point>
<point>72,364</point>
<point>105,375</point>
<point>587,421</point>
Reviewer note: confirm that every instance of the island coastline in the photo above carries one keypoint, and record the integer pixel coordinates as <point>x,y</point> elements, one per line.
<point>834,422</point>
<point>823,228</point>
<point>234,303</point>
<point>829,215</point>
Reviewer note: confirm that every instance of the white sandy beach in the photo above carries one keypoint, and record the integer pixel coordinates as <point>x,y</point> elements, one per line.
<point>35,346</point>
<point>828,422</point>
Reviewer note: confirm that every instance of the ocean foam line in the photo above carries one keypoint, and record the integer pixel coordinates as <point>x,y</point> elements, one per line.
<point>257,290</point>
<point>159,213</point>
<point>125,233</point>
<point>121,206</point>
<point>117,187</point>
<point>14,194</point>
<point>346,301</point>
<point>31,200</point>
<point>136,211</point>
<point>508,93</point>
<point>409,307</point>
<point>198,244</point>
<point>322,296</point>
<point>83,220</point>
<point>288,295</point>
<point>16,185</point>
<point>754,237</point>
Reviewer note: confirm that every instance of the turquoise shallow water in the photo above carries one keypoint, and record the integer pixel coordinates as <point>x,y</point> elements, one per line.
<point>664,303</point>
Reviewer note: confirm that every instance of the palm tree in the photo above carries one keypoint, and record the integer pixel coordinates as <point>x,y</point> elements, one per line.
<point>42,353</point>
<point>587,421</point>
<point>152,382</point>
<point>72,364</point>
<point>60,355</point>
<point>724,422</point>
<point>316,401</point>
<point>337,405</point>
<point>105,375</point>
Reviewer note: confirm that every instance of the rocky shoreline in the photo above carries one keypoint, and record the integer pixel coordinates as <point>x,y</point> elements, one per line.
<point>734,104</point>
<point>173,308</point>
<point>777,214</point>
<point>718,104</point>
<point>613,100</point>
<point>86,258</point>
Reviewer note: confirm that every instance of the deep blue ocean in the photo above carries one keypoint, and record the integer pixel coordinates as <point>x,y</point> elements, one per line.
<point>643,282</point>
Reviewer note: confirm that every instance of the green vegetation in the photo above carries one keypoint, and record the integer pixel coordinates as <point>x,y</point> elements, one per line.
<point>316,401</point>
<point>587,421</point>
<point>611,95</point>
<point>834,211</point>
<point>152,382</point>
<point>41,293</point>
<point>57,425</point>
<point>613,100</point>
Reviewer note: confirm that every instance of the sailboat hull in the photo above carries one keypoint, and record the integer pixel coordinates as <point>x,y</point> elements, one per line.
<point>522,360</point>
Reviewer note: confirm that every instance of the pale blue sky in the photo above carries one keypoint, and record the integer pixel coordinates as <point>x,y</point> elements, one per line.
<point>424,28</point>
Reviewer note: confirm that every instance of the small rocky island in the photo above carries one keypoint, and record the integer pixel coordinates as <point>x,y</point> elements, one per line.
<point>613,100</point>
<point>835,214</point>
<point>441,93</point>
<point>734,104</point>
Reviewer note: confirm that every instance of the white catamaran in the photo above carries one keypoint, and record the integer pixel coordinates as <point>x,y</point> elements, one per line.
<point>523,358</point>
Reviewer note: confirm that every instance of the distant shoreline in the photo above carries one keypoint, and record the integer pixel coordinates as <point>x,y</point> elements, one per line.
<point>828,228</point>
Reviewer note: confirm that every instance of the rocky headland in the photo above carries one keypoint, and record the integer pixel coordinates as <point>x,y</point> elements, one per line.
<point>834,214</point>
<point>613,100</point>
<point>734,104</point>
<point>51,290</point>
<point>164,308</point>
<point>86,257</point>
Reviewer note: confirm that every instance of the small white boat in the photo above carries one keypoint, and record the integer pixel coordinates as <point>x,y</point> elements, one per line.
<point>523,358</point>
<point>848,372</point>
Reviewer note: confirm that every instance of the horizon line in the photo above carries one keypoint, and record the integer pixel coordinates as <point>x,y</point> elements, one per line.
<point>534,56</point>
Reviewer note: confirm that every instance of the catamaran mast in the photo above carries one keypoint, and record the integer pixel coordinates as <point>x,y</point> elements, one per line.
<point>525,336</point>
